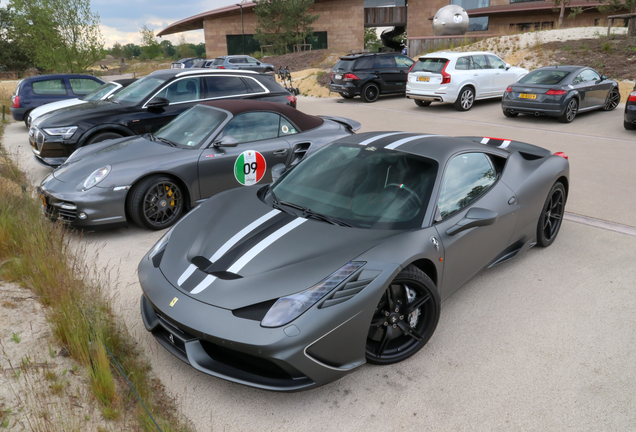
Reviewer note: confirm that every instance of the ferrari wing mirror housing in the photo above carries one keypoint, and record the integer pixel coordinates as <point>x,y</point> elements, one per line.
<point>476,217</point>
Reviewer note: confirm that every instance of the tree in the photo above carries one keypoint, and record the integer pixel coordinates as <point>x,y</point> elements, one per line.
<point>184,50</point>
<point>167,49</point>
<point>13,55</point>
<point>150,48</point>
<point>117,50</point>
<point>130,51</point>
<point>282,23</point>
<point>200,49</point>
<point>610,6</point>
<point>60,35</point>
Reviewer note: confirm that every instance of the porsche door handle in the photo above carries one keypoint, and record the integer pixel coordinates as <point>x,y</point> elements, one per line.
<point>281,152</point>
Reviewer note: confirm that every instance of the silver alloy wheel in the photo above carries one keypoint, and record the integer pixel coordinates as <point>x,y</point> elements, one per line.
<point>613,99</point>
<point>467,99</point>
<point>570,111</point>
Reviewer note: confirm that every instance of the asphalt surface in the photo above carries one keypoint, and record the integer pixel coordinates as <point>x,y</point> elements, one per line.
<point>544,342</point>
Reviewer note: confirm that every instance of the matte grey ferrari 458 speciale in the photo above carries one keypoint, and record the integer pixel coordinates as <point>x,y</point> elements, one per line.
<point>214,146</point>
<point>346,257</point>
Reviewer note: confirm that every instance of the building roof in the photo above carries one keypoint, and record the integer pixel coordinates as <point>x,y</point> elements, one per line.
<point>196,22</point>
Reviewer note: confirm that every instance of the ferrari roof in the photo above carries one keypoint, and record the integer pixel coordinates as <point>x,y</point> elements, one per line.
<point>301,120</point>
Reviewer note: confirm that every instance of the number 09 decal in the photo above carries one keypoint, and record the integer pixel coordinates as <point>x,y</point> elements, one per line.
<point>249,167</point>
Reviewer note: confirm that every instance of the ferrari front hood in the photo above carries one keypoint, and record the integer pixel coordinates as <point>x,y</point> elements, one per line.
<point>257,253</point>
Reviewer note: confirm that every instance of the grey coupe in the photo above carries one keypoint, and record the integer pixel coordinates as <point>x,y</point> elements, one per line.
<point>154,178</point>
<point>347,257</point>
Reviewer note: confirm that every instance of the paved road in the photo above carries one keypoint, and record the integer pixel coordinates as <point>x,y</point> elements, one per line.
<point>544,342</point>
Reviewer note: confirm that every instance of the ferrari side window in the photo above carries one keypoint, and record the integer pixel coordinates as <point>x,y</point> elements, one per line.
<point>254,126</point>
<point>467,177</point>
<point>286,128</point>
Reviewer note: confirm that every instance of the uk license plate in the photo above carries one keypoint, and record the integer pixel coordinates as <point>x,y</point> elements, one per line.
<point>425,79</point>
<point>338,76</point>
<point>527,96</point>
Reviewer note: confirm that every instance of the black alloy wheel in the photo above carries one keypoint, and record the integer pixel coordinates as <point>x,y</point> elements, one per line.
<point>346,96</point>
<point>466,99</point>
<point>370,92</point>
<point>570,111</point>
<point>613,99</point>
<point>103,136</point>
<point>551,216</point>
<point>404,319</point>
<point>507,113</point>
<point>156,202</point>
<point>421,103</point>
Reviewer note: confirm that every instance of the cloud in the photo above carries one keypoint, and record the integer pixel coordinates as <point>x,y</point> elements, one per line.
<point>112,35</point>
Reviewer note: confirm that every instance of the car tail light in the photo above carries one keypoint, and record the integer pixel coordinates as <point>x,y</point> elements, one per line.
<point>445,76</point>
<point>292,100</point>
<point>411,68</point>
<point>632,97</point>
<point>554,92</point>
<point>509,89</point>
<point>15,101</point>
<point>220,67</point>
<point>563,155</point>
<point>350,77</point>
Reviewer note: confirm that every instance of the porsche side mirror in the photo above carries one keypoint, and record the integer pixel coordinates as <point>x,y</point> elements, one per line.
<point>475,217</point>
<point>277,171</point>
<point>508,66</point>
<point>158,102</point>
<point>226,141</point>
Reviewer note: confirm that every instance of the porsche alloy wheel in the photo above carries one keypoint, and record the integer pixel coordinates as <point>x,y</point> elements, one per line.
<point>156,203</point>
<point>570,112</point>
<point>466,99</point>
<point>405,318</point>
<point>551,215</point>
<point>613,99</point>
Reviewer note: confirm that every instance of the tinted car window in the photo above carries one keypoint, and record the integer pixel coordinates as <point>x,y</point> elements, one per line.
<point>138,91</point>
<point>217,61</point>
<point>429,65</point>
<point>49,87</point>
<point>384,62</point>
<point>365,62</point>
<point>466,177</point>
<point>286,128</point>
<point>589,75</point>
<point>251,60</point>
<point>253,126</point>
<point>344,65</point>
<point>253,85</point>
<point>100,92</point>
<point>83,86</point>
<point>496,62</point>
<point>403,61</point>
<point>480,62</point>
<point>544,77</point>
<point>183,90</point>
<point>463,63</point>
<point>218,86</point>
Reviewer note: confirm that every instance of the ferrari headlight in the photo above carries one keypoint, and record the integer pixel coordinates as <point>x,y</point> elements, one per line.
<point>161,244</point>
<point>96,176</point>
<point>65,132</point>
<point>287,309</point>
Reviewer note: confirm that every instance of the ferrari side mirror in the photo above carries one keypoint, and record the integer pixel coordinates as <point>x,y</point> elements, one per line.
<point>475,217</point>
<point>226,141</point>
<point>277,171</point>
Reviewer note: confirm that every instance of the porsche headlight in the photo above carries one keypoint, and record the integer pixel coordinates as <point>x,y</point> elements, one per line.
<point>287,309</point>
<point>65,132</point>
<point>96,176</point>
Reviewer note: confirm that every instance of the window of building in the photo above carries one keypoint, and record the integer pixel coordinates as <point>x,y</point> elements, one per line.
<point>530,26</point>
<point>471,4</point>
<point>478,24</point>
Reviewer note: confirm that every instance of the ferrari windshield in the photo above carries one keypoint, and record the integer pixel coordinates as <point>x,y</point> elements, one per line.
<point>363,187</point>
<point>100,92</point>
<point>193,126</point>
<point>138,91</point>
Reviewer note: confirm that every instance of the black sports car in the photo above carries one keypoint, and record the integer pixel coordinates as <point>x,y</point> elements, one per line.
<point>347,257</point>
<point>561,92</point>
<point>154,178</point>
<point>145,106</point>
<point>630,111</point>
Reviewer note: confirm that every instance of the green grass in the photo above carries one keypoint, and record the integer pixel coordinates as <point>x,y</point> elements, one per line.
<point>16,338</point>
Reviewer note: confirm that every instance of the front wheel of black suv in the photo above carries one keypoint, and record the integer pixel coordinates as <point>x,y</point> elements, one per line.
<point>421,103</point>
<point>103,137</point>
<point>370,92</point>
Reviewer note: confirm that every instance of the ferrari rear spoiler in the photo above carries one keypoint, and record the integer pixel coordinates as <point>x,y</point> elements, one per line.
<point>352,125</point>
<point>528,151</point>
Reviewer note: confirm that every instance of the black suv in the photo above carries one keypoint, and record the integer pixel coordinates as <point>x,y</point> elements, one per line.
<point>144,107</point>
<point>370,75</point>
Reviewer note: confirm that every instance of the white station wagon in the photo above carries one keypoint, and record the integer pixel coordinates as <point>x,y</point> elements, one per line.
<point>459,78</point>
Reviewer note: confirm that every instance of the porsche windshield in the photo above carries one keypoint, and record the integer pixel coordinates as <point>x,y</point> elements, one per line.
<point>363,187</point>
<point>193,126</point>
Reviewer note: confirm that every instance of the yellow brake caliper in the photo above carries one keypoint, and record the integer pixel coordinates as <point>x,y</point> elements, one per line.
<point>170,193</point>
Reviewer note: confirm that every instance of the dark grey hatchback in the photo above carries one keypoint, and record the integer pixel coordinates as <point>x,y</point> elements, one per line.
<point>561,92</point>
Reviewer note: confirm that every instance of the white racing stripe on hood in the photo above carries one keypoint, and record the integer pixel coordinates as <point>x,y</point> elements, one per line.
<point>398,143</point>
<point>229,244</point>
<point>252,253</point>
<point>377,137</point>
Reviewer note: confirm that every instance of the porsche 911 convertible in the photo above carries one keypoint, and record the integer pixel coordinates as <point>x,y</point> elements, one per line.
<point>346,258</point>
<point>153,179</point>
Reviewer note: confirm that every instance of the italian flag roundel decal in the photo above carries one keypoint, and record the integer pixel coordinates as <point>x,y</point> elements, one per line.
<point>249,167</point>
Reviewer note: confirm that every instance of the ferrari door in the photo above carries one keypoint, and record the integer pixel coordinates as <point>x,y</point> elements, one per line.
<point>470,183</point>
<point>259,149</point>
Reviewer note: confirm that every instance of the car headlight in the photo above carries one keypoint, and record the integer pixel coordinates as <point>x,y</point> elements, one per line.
<point>96,176</point>
<point>64,132</point>
<point>287,309</point>
<point>161,244</point>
